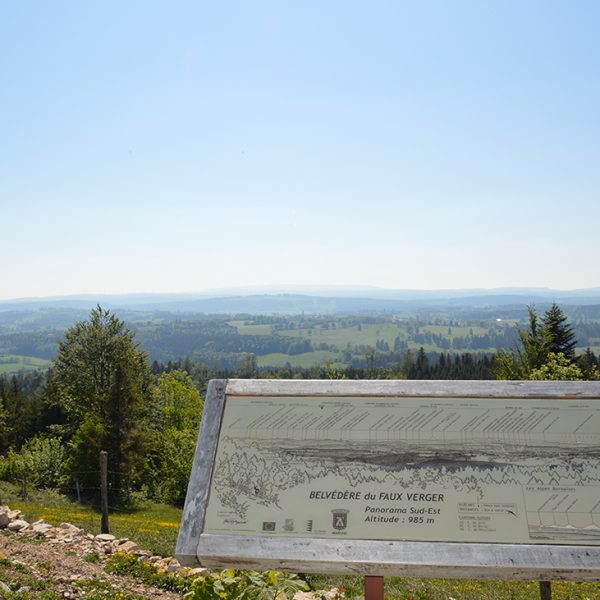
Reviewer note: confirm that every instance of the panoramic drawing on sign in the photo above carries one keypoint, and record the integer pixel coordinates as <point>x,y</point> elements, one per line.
<point>484,470</point>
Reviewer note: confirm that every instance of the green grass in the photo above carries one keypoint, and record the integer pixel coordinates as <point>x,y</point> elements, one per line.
<point>152,526</point>
<point>397,588</point>
<point>367,334</point>
<point>251,329</point>
<point>12,363</point>
<point>304,360</point>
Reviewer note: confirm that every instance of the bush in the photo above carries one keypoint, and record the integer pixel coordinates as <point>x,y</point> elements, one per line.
<point>226,585</point>
<point>11,466</point>
<point>246,585</point>
<point>43,458</point>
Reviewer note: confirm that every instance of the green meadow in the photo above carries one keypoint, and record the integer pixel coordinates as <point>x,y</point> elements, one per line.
<point>11,363</point>
<point>304,360</point>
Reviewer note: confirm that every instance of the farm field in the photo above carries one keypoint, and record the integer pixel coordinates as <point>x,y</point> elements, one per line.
<point>304,360</point>
<point>247,328</point>
<point>366,334</point>
<point>10,363</point>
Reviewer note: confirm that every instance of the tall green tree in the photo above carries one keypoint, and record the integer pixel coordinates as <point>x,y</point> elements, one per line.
<point>102,381</point>
<point>177,412</point>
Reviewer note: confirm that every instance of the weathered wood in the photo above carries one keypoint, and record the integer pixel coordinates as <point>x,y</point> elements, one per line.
<point>104,491</point>
<point>192,520</point>
<point>405,559</point>
<point>412,388</point>
<point>545,590</point>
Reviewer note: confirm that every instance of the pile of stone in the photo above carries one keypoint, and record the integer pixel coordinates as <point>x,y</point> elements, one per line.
<point>103,544</point>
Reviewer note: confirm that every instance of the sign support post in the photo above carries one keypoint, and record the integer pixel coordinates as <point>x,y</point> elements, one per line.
<point>545,590</point>
<point>373,588</point>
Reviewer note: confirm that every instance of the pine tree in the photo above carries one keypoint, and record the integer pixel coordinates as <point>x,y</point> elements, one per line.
<point>557,334</point>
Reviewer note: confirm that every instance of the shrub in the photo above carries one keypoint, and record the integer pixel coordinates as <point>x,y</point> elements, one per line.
<point>11,466</point>
<point>44,459</point>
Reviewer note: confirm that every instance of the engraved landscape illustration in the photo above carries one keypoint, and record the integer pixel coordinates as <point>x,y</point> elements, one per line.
<point>460,469</point>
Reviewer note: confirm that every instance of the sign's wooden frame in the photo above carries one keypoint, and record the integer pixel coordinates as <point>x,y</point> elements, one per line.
<point>373,557</point>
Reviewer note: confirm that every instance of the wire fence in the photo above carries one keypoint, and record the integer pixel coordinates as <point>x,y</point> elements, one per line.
<point>86,493</point>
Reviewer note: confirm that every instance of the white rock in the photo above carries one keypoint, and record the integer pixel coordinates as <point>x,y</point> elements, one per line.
<point>105,537</point>
<point>41,527</point>
<point>127,547</point>
<point>18,525</point>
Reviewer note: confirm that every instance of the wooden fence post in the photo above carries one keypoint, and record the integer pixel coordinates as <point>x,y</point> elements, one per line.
<point>25,477</point>
<point>545,590</point>
<point>104,490</point>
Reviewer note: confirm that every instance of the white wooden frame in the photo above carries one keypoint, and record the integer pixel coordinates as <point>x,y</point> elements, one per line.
<point>373,557</point>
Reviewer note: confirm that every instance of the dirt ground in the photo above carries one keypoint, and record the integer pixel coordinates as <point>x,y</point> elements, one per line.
<point>63,571</point>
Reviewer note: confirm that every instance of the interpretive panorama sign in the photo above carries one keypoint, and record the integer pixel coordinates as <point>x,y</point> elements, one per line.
<point>404,477</point>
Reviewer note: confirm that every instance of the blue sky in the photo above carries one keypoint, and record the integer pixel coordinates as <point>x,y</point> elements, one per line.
<point>182,146</point>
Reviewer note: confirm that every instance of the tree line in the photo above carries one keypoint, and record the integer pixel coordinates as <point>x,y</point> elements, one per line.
<point>215,340</point>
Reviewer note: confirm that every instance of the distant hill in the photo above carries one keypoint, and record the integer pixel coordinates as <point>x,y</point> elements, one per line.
<point>325,301</point>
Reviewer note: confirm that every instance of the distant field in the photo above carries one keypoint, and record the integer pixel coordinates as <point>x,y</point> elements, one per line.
<point>366,334</point>
<point>258,329</point>
<point>12,363</point>
<point>455,331</point>
<point>305,360</point>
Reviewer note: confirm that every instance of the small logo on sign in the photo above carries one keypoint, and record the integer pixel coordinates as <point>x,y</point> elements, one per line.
<point>309,525</point>
<point>288,525</point>
<point>268,525</point>
<point>340,518</point>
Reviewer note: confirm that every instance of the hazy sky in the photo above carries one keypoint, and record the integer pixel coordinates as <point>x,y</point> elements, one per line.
<point>178,146</point>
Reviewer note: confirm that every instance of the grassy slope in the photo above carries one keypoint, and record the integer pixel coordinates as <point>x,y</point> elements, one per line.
<point>11,363</point>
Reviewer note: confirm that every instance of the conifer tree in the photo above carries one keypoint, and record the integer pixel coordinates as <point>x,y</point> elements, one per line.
<point>558,336</point>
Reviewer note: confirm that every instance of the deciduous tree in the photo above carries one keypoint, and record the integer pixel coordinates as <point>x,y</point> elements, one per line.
<point>102,381</point>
